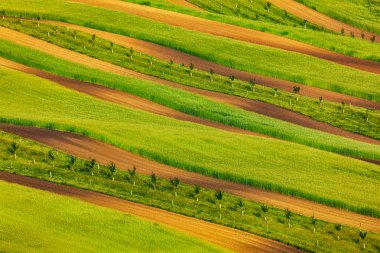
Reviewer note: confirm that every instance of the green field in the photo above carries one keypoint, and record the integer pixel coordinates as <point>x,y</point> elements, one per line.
<point>37,221</point>
<point>353,119</point>
<point>252,220</point>
<point>192,104</point>
<point>245,56</point>
<point>328,40</point>
<point>360,13</point>
<point>220,154</point>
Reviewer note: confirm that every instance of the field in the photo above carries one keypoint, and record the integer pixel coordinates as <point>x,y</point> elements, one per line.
<point>189,126</point>
<point>360,13</point>
<point>73,226</point>
<point>283,65</point>
<point>300,234</point>
<point>218,153</point>
<point>331,113</point>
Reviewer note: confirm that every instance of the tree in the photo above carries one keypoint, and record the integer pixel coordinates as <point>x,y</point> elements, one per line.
<point>296,90</point>
<point>51,155</point>
<point>320,101</point>
<point>111,43</point>
<point>313,222</point>
<point>75,34</point>
<point>219,196</point>
<point>373,38</point>
<point>232,78</point>
<point>171,62</point>
<point>275,92</point>
<point>90,165</point>
<point>131,51</point>
<point>267,6</point>
<point>343,107</point>
<point>288,215</point>
<point>3,13</point>
<point>252,82</point>
<point>211,74</point>
<point>153,179</point>
<point>70,163</point>
<point>367,113</point>
<point>342,31</point>
<point>13,149</point>
<point>132,174</point>
<point>38,21</point>
<point>338,228</point>
<point>93,38</point>
<point>112,168</point>
<point>352,35</point>
<point>197,190</point>
<point>175,183</point>
<point>241,205</point>
<point>265,210</point>
<point>363,235</point>
<point>191,67</point>
<point>362,35</point>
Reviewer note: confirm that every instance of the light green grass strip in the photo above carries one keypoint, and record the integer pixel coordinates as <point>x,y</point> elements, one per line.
<point>192,104</point>
<point>240,55</point>
<point>276,165</point>
<point>37,221</point>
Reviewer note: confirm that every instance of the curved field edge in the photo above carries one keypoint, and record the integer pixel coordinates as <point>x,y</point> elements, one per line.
<point>362,84</point>
<point>212,154</point>
<point>191,104</point>
<point>65,224</point>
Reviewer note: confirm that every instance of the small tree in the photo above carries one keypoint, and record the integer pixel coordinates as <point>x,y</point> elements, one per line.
<point>132,173</point>
<point>38,21</point>
<point>112,168</point>
<point>252,82</point>
<point>153,179</point>
<point>338,228</point>
<point>265,210</point>
<point>71,162</point>
<point>13,149</point>
<point>232,78</point>
<point>3,13</point>
<point>363,235</point>
<point>367,113</point>
<point>342,31</point>
<point>111,44</point>
<point>90,165</point>
<point>219,196</point>
<point>197,190</point>
<point>131,51</point>
<point>373,38</point>
<point>93,38</point>
<point>313,222</point>
<point>362,35</point>
<point>75,34</point>
<point>241,205</point>
<point>288,215</point>
<point>296,90</point>
<point>52,157</point>
<point>171,62</point>
<point>352,35</point>
<point>211,74</point>
<point>320,101</point>
<point>275,92</point>
<point>175,183</point>
<point>267,6</point>
<point>343,107</point>
<point>191,67</point>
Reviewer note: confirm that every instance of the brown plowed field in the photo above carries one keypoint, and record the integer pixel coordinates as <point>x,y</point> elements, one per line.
<point>85,148</point>
<point>223,236</point>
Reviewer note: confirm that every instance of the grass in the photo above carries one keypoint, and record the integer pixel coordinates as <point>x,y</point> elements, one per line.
<point>251,220</point>
<point>37,221</point>
<point>192,104</point>
<point>324,39</point>
<point>353,119</point>
<point>364,14</point>
<point>239,158</point>
<point>283,64</point>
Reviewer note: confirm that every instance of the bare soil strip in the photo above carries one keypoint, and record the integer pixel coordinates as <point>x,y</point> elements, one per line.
<point>226,237</point>
<point>31,42</point>
<point>318,18</point>
<point>123,98</point>
<point>85,148</point>
<point>246,104</point>
<point>234,32</point>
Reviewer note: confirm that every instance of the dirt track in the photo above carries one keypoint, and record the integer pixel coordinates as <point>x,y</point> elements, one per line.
<point>122,98</point>
<point>234,32</point>
<point>318,18</point>
<point>246,104</point>
<point>226,237</point>
<point>85,148</point>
